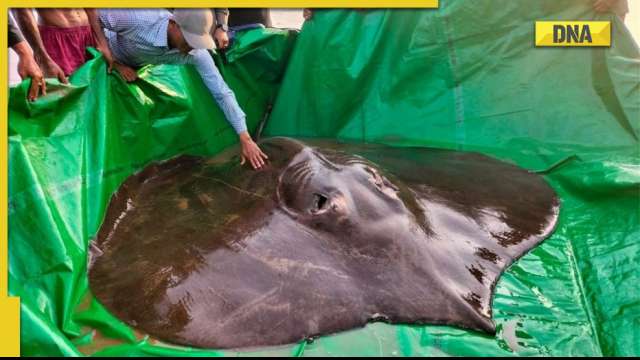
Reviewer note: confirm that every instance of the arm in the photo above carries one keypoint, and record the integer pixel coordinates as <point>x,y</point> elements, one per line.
<point>618,7</point>
<point>14,34</point>
<point>221,37</point>
<point>101,40</point>
<point>603,5</point>
<point>31,32</point>
<point>27,66</point>
<point>225,98</point>
<point>113,20</point>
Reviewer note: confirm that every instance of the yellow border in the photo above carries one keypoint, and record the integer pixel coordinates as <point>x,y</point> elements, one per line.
<point>228,3</point>
<point>10,307</point>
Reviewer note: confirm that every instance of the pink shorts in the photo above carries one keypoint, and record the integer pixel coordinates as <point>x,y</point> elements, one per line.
<point>67,46</point>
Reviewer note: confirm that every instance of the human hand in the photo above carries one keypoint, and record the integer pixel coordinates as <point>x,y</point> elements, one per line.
<point>251,152</point>
<point>221,37</point>
<point>108,57</point>
<point>52,70</point>
<point>128,74</point>
<point>603,5</point>
<point>28,68</point>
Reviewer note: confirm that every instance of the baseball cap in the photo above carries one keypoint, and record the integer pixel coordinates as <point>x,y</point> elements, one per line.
<point>195,25</point>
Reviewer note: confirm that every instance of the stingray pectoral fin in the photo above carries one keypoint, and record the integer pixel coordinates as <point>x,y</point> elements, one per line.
<point>472,252</point>
<point>488,326</point>
<point>483,215</point>
<point>470,311</point>
<point>475,316</point>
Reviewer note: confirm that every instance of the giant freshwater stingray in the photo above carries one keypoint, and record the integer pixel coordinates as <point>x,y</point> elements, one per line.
<point>327,237</point>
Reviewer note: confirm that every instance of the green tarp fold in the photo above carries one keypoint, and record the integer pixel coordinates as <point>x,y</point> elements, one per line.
<point>465,76</point>
<point>70,150</point>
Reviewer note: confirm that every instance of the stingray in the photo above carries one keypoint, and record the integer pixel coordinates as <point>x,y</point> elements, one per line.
<point>325,238</point>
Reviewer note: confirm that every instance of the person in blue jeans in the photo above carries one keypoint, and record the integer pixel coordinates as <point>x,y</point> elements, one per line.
<point>138,37</point>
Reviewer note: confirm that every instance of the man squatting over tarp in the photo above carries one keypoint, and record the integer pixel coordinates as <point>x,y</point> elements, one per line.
<point>136,37</point>
<point>156,36</point>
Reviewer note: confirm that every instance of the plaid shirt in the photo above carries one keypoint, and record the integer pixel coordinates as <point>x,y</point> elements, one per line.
<point>139,36</point>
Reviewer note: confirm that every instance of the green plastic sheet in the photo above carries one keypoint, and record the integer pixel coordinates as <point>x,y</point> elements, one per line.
<point>70,150</point>
<point>468,77</point>
<point>465,76</point>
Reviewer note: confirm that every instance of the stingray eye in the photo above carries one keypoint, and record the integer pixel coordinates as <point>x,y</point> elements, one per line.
<point>380,181</point>
<point>375,178</point>
<point>320,203</point>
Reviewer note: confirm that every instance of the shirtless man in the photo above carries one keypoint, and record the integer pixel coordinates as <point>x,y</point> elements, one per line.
<point>60,37</point>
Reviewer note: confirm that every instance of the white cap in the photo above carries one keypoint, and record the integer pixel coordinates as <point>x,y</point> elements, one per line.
<point>195,25</point>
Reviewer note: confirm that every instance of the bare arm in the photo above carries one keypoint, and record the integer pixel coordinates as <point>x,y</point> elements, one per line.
<point>101,40</point>
<point>14,34</point>
<point>29,28</point>
<point>27,68</point>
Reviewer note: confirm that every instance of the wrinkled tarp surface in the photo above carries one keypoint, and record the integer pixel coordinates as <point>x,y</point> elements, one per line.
<point>70,150</point>
<point>465,76</point>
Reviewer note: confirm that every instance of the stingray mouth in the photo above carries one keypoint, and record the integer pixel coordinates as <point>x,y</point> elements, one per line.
<point>305,186</point>
<point>315,183</point>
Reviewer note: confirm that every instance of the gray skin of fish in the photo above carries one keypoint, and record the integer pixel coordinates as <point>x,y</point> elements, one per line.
<point>327,237</point>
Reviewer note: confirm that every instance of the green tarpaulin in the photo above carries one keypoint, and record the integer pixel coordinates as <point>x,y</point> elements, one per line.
<point>70,150</point>
<point>466,76</point>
